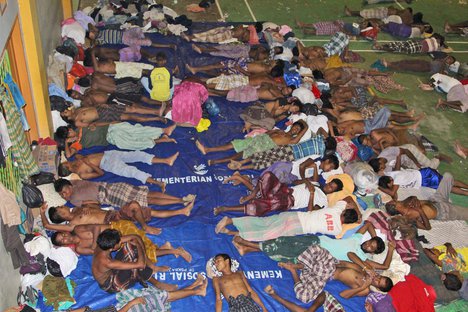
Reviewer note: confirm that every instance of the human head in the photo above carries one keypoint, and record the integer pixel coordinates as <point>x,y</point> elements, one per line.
<point>391,208</point>
<point>364,139</point>
<point>286,91</point>
<point>109,240</point>
<point>349,216</point>
<point>278,50</point>
<point>75,94</point>
<point>428,29</point>
<point>296,128</point>
<point>449,60</point>
<point>161,59</point>
<point>386,182</point>
<point>84,82</point>
<point>451,281</point>
<point>375,245</point>
<point>58,214</point>
<point>277,71</point>
<point>296,107</point>
<point>61,238</point>
<point>378,164</point>
<point>222,262</point>
<point>329,163</point>
<point>64,188</point>
<point>334,185</point>
<point>383,283</point>
<point>64,169</point>
<point>330,144</point>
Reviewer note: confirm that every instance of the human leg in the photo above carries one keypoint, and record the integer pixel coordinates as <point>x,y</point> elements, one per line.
<point>225,159</point>
<point>163,199</point>
<point>245,248</point>
<point>198,288</point>
<point>206,150</point>
<point>171,213</point>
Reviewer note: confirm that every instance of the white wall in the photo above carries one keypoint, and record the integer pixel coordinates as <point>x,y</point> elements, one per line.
<point>6,22</point>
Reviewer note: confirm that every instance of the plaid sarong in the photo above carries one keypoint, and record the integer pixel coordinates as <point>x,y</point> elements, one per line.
<point>338,42</point>
<point>319,267</point>
<point>266,159</point>
<point>110,113</point>
<point>156,299</point>
<point>314,146</point>
<point>408,46</point>
<point>128,85</point>
<point>120,194</point>
<point>215,35</point>
<point>228,82</point>
<point>242,303</point>
<point>328,28</point>
<point>378,13</point>
<point>331,304</point>
<point>405,248</point>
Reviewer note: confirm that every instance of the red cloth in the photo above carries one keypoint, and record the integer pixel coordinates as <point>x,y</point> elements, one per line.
<point>253,38</point>
<point>78,70</point>
<point>464,81</point>
<point>46,141</point>
<point>413,295</point>
<point>316,91</point>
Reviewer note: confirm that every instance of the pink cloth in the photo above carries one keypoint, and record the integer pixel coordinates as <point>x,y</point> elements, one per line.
<point>253,38</point>
<point>255,132</point>
<point>285,29</point>
<point>187,102</point>
<point>242,94</point>
<point>68,21</point>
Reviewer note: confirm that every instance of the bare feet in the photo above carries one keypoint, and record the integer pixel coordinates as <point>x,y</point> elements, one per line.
<point>152,230</point>
<point>459,149</point>
<point>299,23</point>
<point>190,69</point>
<point>184,254</point>
<point>411,113</point>
<point>196,49</point>
<point>244,199</point>
<point>238,246</point>
<point>218,210</point>
<point>415,126</point>
<point>234,165</point>
<point>234,178</point>
<point>201,148</point>
<point>185,37</point>
<point>188,199</point>
<point>202,290</point>
<point>269,290</point>
<point>161,184</point>
<point>444,158</point>
<point>168,130</point>
<point>166,245</point>
<point>198,281</point>
<point>188,209</point>
<point>447,27</point>
<point>171,160</point>
<point>347,11</point>
<point>221,226</point>
<point>384,62</point>
<point>165,139</point>
<point>440,104</point>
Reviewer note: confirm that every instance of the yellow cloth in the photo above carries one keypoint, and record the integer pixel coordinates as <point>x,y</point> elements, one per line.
<point>126,227</point>
<point>335,61</point>
<point>463,251</point>
<point>161,81</point>
<point>348,188</point>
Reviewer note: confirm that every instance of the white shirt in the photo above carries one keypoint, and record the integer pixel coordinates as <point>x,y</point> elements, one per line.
<point>408,178</point>
<point>286,56</point>
<point>304,95</point>
<point>310,171</point>
<point>301,196</point>
<point>391,153</point>
<point>444,82</point>
<point>325,221</point>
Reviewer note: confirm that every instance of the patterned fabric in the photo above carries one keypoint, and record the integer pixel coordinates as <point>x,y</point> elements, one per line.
<point>252,145</point>
<point>228,82</point>
<point>338,42</point>
<point>129,228</point>
<point>110,113</point>
<point>314,146</point>
<point>243,94</point>
<point>398,30</point>
<point>135,37</point>
<point>130,54</point>
<point>331,304</point>
<point>405,248</point>
<point>430,45</point>
<point>273,196</point>
<point>287,249</point>
<point>378,13</point>
<point>20,149</point>
<point>384,84</point>
<point>328,28</point>
<point>215,35</point>
<point>109,36</point>
<point>119,280</point>
<point>319,267</point>
<point>130,69</point>
<point>230,66</point>
<point>233,51</point>
<point>266,159</point>
<point>257,115</point>
<point>156,299</point>
<point>120,194</point>
<point>408,46</point>
<point>242,303</point>
<point>128,85</point>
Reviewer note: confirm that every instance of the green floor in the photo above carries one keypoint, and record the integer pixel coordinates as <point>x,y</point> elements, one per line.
<point>441,127</point>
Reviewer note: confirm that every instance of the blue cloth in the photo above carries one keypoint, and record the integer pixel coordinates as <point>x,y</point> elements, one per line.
<point>379,120</point>
<point>57,91</point>
<point>430,177</point>
<point>314,146</point>
<point>18,99</point>
<point>339,248</point>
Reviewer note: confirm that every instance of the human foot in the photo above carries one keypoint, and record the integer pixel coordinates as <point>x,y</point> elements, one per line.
<point>245,199</point>
<point>444,158</point>
<point>184,254</point>
<point>384,62</point>
<point>269,290</point>
<point>221,226</point>
<point>411,113</point>
<point>459,150</point>
<point>198,282</point>
<point>238,246</point>
<point>202,290</point>
<point>415,126</point>
<point>166,245</point>
<point>347,11</point>
<point>171,160</point>
<point>299,23</point>
<point>190,69</point>
<point>152,230</point>
<point>168,130</point>
<point>196,49</point>
<point>188,209</point>
<point>218,210</point>
<point>187,199</point>
<point>234,178</point>
<point>201,147</point>
<point>234,165</point>
<point>440,104</point>
<point>185,37</point>
<point>447,27</point>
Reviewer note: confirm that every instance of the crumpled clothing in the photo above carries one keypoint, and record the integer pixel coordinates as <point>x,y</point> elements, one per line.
<point>57,91</point>
<point>176,29</point>
<point>83,19</point>
<point>39,245</point>
<point>66,258</point>
<point>58,292</point>
<point>74,31</point>
<point>9,208</point>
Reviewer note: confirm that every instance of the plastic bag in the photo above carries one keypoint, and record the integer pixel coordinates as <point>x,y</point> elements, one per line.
<point>42,178</point>
<point>364,177</point>
<point>32,196</point>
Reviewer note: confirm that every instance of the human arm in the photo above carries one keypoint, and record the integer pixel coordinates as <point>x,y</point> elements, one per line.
<point>423,223</point>
<point>393,191</point>
<point>97,172</point>
<point>51,226</point>
<point>298,137</point>
<point>388,259</point>
<point>309,163</point>
<point>311,188</point>
<point>94,59</point>
<point>397,166</point>
<point>219,301</point>
<point>351,204</point>
<point>69,151</point>
<point>93,229</point>
<point>367,227</point>
<point>359,291</point>
<point>410,155</point>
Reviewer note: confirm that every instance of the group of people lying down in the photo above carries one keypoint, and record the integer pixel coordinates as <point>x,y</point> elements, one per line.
<point>311,112</point>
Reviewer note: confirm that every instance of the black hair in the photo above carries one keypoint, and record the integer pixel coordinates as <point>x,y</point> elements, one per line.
<point>108,239</point>
<point>383,181</point>
<point>84,82</point>
<point>280,49</point>
<point>380,245</point>
<point>334,160</point>
<point>53,239</point>
<point>339,184</point>
<point>258,27</point>
<point>418,18</point>
<point>293,87</point>
<point>388,284</point>
<point>298,104</point>
<point>452,282</point>
<point>440,38</point>
<point>288,35</point>
<point>361,138</point>
<point>87,34</point>
<point>325,97</point>
<point>350,216</point>
<point>277,71</point>
<point>428,29</point>
<point>62,132</point>
<point>225,257</point>
<point>391,209</point>
<point>298,123</point>
<point>54,216</point>
<point>317,74</point>
<point>88,59</point>
<point>161,55</point>
<point>295,51</point>
<point>60,184</point>
<point>63,171</point>
<point>69,92</point>
<point>330,144</point>
<point>375,164</point>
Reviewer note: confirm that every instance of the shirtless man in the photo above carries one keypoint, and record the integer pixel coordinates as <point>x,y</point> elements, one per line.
<point>93,165</point>
<point>266,91</point>
<point>418,211</point>
<point>128,267</point>
<point>219,34</point>
<point>84,239</point>
<point>93,214</point>
<point>105,114</point>
<point>316,260</point>
<point>247,147</point>
<point>92,97</point>
<point>234,287</point>
<point>240,66</point>
<point>101,82</point>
